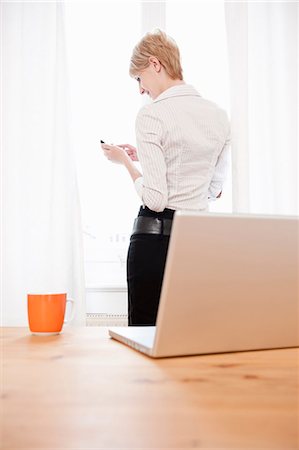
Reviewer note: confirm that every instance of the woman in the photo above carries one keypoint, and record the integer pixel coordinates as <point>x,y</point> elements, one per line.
<point>182,145</point>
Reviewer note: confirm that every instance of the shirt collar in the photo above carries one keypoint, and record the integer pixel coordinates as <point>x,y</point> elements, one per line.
<point>177,91</point>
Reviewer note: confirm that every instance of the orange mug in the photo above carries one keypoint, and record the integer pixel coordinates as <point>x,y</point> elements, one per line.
<point>46,313</point>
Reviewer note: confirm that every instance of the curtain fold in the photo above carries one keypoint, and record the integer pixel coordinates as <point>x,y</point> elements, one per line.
<point>42,238</point>
<point>263,59</point>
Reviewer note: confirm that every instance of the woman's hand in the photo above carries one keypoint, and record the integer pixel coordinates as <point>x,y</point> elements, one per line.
<point>130,150</point>
<point>118,154</point>
<point>115,153</point>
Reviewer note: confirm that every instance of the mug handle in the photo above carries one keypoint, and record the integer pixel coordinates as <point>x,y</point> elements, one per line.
<point>67,321</point>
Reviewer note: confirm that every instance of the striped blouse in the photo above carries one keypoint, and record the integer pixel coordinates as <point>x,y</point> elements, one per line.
<point>182,145</point>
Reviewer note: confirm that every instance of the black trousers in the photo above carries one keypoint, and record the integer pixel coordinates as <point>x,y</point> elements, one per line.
<point>145,269</point>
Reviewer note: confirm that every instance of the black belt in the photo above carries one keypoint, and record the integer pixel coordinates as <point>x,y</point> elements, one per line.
<point>152,225</point>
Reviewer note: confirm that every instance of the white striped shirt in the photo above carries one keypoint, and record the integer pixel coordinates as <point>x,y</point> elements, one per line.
<point>182,145</point>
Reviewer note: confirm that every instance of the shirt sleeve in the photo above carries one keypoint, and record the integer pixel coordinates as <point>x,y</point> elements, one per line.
<point>152,187</point>
<point>139,186</point>
<point>220,171</point>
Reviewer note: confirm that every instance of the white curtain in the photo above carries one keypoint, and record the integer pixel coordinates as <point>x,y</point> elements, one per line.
<point>42,248</point>
<point>263,59</point>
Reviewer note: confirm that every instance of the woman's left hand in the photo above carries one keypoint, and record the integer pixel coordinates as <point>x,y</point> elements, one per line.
<point>114,153</point>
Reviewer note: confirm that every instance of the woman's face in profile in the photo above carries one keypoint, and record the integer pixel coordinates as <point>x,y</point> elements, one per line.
<point>144,84</point>
<point>148,79</point>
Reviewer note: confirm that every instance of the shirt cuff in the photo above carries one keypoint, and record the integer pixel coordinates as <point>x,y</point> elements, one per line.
<point>139,186</point>
<point>214,190</point>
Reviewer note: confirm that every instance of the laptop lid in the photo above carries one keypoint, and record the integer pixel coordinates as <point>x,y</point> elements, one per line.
<point>230,284</point>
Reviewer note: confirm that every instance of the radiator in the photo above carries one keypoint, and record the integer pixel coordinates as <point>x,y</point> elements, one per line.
<point>106,320</point>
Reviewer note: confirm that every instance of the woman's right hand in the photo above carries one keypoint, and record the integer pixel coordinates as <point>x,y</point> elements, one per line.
<point>130,150</point>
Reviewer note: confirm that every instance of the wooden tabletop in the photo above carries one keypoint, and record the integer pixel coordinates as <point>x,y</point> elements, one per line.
<point>83,390</point>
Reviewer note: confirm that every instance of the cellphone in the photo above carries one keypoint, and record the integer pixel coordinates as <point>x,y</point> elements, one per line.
<point>102,142</point>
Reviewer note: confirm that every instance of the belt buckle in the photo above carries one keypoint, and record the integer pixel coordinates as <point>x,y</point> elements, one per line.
<point>159,225</point>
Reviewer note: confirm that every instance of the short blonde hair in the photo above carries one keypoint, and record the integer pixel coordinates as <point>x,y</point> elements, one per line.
<point>158,44</point>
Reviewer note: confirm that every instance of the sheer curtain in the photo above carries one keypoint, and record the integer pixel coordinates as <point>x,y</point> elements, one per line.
<point>263,56</point>
<point>42,248</point>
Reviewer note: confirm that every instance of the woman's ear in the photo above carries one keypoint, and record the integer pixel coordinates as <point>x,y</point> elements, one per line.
<point>155,63</point>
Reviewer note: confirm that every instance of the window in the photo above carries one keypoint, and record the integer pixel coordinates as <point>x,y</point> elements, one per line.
<point>104,102</point>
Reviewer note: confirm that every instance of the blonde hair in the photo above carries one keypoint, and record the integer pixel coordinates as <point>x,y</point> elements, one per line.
<point>158,44</point>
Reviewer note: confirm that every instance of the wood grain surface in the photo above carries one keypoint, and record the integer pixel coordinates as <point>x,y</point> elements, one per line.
<point>83,390</point>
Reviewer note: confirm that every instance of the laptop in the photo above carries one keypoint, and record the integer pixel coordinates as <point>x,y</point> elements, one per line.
<point>230,284</point>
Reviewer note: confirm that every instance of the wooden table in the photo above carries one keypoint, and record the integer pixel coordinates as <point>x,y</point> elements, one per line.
<point>83,390</point>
